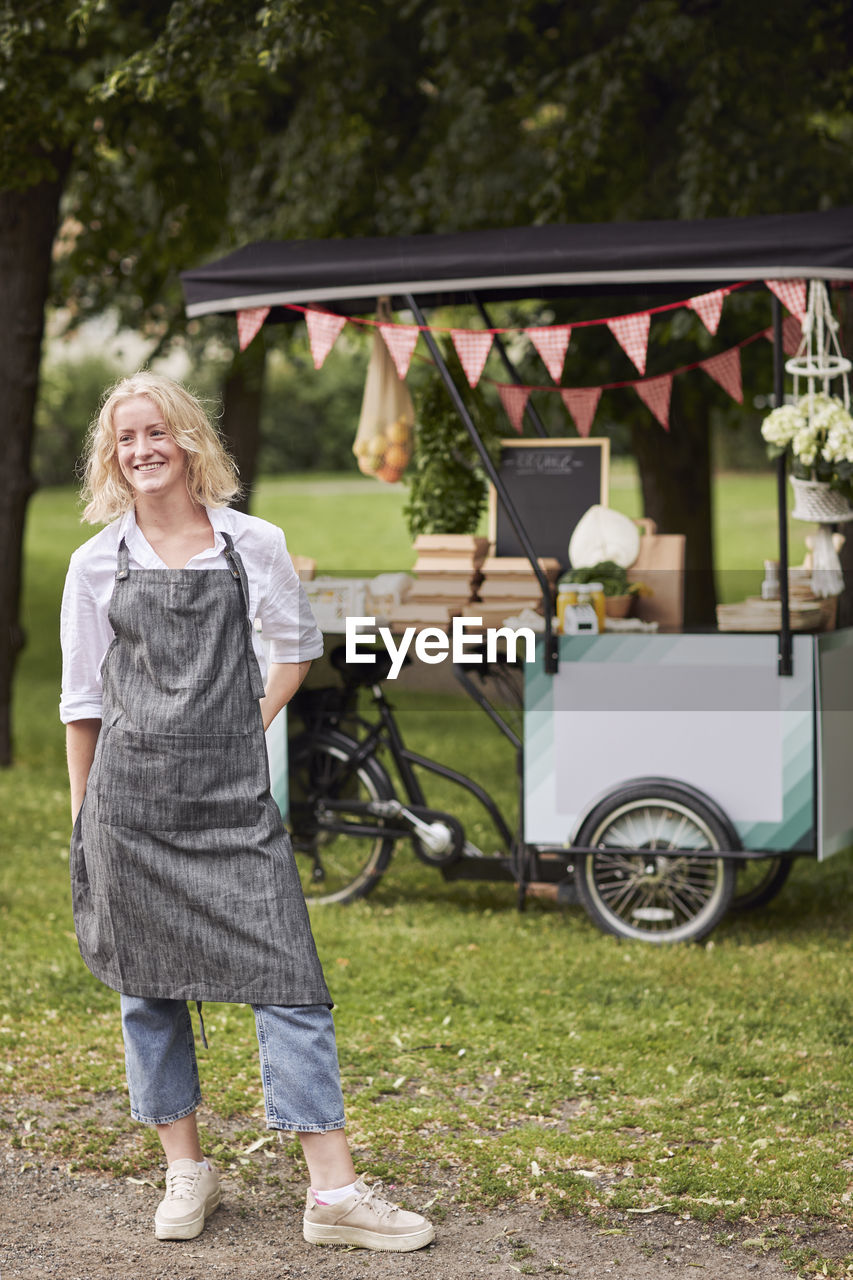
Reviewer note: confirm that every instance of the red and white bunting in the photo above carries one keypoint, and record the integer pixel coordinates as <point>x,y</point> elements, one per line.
<point>709,308</point>
<point>401,340</point>
<point>514,400</point>
<point>581,403</point>
<point>249,322</point>
<point>792,333</point>
<point>725,370</point>
<point>632,334</point>
<point>472,347</point>
<point>655,394</point>
<point>552,343</point>
<point>323,331</point>
<point>791,293</point>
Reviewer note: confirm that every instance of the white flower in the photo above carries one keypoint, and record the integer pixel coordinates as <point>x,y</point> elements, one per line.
<point>817,429</point>
<point>805,446</point>
<point>780,426</point>
<point>839,442</point>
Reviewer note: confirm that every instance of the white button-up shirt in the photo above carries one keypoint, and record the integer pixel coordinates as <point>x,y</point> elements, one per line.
<point>276,599</point>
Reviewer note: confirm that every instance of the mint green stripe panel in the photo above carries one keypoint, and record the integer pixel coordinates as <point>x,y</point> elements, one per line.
<point>798,819</point>
<point>276,738</point>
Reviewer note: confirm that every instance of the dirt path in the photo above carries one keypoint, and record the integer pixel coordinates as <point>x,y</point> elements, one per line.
<point>87,1228</point>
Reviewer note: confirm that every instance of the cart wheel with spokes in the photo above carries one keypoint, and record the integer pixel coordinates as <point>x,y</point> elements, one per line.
<point>336,861</point>
<point>759,880</point>
<point>633,886</point>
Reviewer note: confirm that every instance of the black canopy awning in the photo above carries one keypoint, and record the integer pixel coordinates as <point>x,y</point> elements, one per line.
<point>348,275</point>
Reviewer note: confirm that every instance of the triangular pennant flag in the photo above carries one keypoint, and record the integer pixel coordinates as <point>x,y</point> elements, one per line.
<point>248,324</point>
<point>632,334</point>
<point>581,403</point>
<point>792,333</point>
<point>323,330</point>
<point>655,394</point>
<point>709,307</point>
<point>552,343</point>
<point>514,400</point>
<point>791,293</point>
<point>725,369</point>
<point>401,340</point>
<point>472,347</point>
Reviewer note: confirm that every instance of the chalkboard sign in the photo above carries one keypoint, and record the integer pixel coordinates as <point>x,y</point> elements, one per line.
<point>551,484</point>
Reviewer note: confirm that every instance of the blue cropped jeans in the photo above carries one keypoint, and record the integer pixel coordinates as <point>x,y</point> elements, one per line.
<point>299,1064</point>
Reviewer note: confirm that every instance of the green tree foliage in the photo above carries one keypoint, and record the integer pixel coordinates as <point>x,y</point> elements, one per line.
<point>156,134</point>
<point>308,423</point>
<point>69,392</point>
<point>112,122</point>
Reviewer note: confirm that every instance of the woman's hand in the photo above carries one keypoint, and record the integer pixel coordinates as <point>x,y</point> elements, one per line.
<point>81,738</point>
<point>283,680</point>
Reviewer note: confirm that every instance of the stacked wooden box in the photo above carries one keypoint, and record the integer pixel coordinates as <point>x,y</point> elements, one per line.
<point>447,572</point>
<point>510,585</point>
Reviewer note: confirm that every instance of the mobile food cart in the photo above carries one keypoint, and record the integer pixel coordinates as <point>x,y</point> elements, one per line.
<point>654,765</point>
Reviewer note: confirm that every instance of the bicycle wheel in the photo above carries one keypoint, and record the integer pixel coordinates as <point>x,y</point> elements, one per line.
<point>336,864</point>
<point>631,887</point>
<point>759,880</point>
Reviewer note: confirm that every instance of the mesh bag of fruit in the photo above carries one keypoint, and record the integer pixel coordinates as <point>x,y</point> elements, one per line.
<point>383,442</point>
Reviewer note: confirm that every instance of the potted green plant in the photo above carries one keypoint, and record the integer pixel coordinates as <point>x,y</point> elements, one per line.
<point>619,593</point>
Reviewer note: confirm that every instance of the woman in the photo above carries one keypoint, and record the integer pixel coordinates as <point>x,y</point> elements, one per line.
<point>183,880</point>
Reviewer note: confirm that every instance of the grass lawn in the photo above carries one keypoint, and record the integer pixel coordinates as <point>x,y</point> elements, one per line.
<point>525,1052</point>
<point>375,537</point>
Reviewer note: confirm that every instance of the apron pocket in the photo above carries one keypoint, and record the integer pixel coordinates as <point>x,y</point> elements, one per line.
<point>181,781</point>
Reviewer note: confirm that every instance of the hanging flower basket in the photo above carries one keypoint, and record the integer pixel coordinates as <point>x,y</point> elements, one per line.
<point>817,501</point>
<point>817,434</point>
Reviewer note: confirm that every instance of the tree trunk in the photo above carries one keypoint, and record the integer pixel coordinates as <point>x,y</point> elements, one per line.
<point>675,473</point>
<point>28,220</point>
<point>241,413</point>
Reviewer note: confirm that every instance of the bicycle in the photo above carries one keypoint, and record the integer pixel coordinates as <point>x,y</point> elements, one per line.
<point>345,812</point>
<point>646,862</point>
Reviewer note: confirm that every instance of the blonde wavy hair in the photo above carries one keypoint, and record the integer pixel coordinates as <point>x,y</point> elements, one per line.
<point>211,474</point>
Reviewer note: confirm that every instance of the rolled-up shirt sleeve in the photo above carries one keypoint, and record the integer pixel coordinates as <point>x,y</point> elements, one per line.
<point>287,623</point>
<point>85,634</point>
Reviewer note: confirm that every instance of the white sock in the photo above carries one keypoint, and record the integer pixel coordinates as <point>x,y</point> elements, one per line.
<point>335,1196</point>
<point>204,1163</point>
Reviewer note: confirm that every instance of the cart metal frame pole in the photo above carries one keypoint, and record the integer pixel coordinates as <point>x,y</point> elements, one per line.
<point>530,412</point>
<point>786,657</point>
<point>552,645</point>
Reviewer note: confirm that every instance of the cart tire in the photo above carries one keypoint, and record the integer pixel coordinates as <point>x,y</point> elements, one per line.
<point>758,881</point>
<point>629,892</point>
<point>335,866</point>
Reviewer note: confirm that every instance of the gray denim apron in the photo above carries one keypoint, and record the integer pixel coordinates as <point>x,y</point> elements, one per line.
<point>182,875</point>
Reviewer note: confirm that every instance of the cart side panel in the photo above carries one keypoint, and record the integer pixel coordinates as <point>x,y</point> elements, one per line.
<point>835,741</point>
<point>708,710</point>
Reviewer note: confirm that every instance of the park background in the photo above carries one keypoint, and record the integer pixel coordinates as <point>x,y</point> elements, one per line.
<point>493,1054</point>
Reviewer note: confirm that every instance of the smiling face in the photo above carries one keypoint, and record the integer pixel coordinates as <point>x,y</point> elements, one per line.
<point>148,457</point>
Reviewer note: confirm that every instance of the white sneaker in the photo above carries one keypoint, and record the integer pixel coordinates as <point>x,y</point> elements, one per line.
<point>368,1219</point>
<point>192,1193</point>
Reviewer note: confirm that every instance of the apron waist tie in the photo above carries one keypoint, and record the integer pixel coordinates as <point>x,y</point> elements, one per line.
<point>201,1024</point>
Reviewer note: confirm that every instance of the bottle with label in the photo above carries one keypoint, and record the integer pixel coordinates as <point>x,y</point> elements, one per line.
<point>567,598</point>
<point>581,617</point>
<point>770,589</point>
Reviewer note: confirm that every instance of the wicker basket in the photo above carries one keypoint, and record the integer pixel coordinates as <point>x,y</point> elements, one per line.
<point>815,501</point>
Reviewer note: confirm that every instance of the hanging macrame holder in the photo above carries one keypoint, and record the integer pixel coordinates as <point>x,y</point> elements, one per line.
<point>819,362</point>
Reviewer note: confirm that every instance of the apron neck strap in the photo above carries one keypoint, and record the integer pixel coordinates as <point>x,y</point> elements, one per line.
<point>236,568</point>
<point>122,562</point>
